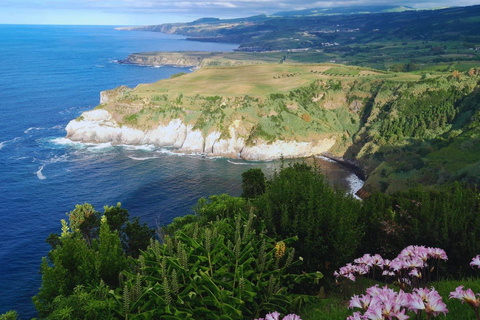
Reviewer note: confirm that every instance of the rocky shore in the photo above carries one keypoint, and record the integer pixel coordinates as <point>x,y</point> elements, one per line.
<point>176,59</point>
<point>98,126</point>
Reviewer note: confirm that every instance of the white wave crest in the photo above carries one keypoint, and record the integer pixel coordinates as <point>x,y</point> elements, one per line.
<point>326,159</point>
<point>143,147</point>
<point>32,128</point>
<point>241,163</point>
<point>355,184</point>
<point>67,142</point>
<point>62,158</point>
<point>142,158</point>
<point>40,174</point>
<point>170,152</point>
<point>100,147</point>
<point>4,143</point>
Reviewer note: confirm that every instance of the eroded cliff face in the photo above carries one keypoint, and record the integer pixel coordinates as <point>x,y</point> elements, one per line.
<point>98,126</point>
<point>165,59</point>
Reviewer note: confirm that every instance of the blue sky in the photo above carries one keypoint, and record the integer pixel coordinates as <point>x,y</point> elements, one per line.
<point>145,12</point>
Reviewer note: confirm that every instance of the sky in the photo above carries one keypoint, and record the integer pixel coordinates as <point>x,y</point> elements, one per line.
<point>148,12</point>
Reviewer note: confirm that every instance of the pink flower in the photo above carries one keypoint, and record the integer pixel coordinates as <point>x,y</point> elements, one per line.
<point>465,296</point>
<point>400,315</point>
<point>276,316</point>
<point>437,253</point>
<point>361,302</point>
<point>415,302</point>
<point>475,262</point>
<point>435,305</point>
<point>428,300</point>
<point>356,316</point>
<point>272,316</point>
<point>415,273</point>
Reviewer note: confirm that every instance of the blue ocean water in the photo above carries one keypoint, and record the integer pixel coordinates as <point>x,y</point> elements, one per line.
<point>48,76</point>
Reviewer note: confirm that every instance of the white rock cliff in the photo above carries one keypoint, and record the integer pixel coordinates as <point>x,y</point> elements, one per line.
<point>98,126</point>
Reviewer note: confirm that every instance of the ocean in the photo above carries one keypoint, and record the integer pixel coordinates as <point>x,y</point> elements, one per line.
<point>49,75</point>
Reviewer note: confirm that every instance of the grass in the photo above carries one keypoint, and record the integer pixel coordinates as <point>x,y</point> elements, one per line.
<point>257,80</point>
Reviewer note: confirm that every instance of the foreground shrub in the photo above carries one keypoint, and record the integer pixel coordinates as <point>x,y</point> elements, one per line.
<point>229,269</point>
<point>300,202</point>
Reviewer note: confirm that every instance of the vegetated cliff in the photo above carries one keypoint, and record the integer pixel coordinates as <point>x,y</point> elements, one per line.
<point>180,59</point>
<point>200,59</point>
<point>401,129</point>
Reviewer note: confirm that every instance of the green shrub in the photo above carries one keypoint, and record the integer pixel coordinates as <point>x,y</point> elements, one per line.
<point>446,218</point>
<point>227,269</point>
<point>300,202</point>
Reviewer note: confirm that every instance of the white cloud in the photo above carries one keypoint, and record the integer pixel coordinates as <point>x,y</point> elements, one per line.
<point>159,11</point>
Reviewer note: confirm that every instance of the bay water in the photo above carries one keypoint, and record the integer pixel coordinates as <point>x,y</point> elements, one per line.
<point>48,76</point>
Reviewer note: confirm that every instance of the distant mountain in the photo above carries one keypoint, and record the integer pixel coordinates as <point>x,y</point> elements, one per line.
<point>337,28</point>
<point>342,11</point>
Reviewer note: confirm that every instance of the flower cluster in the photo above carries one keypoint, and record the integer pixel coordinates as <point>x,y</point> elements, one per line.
<point>411,261</point>
<point>385,303</point>
<point>276,316</point>
<point>466,296</point>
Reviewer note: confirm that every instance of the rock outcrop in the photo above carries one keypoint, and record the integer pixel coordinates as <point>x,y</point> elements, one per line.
<point>98,126</point>
<point>188,59</point>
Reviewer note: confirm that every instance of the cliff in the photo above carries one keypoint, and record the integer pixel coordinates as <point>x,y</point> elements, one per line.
<point>400,129</point>
<point>98,126</point>
<point>180,59</point>
<point>201,59</point>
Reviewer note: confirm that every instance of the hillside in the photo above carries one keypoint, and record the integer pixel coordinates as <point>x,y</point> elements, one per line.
<point>401,128</point>
<point>381,40</point>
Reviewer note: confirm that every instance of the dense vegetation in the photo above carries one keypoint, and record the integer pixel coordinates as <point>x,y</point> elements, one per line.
<point>420,134</point>
<point>402,129</point>
<point>378,39</point>
<point>239,258</point>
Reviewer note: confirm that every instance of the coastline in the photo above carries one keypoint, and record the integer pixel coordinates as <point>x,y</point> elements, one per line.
<point>98,126</point>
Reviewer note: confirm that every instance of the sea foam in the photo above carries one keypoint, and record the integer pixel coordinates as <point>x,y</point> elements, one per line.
<point>355,184</point>
<point>40,174</point>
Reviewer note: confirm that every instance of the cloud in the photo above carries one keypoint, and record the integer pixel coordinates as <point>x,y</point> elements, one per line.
<point>185,10</point>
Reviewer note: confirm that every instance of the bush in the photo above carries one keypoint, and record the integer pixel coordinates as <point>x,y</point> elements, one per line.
<point>300,202</point>
<point>446,218</point>
<point>223,269</point>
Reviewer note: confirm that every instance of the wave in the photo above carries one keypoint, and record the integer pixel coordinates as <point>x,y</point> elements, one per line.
<point>62,158</point>
<point>241,163</point>
<point>142,158</point>
<point>4,143</point>
<point>170,152</point>
<point>100,147</point>
<point>67,142</point>
<point>326,159</point>
<point>32,128</point>
<point>40,174</point>
<point>143,147</point>
<point>355,184</point>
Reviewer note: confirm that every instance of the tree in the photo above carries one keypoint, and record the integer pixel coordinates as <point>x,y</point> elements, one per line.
<point>112,260</point>
<point>300,202</point>
<point>253,183</point>
<point>91,250</point>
